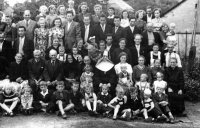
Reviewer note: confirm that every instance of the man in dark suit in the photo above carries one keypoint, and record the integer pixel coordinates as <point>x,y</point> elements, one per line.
<point>117,32</point>
<point>87,28</point>
<point>23,45</point>
<point>53,71</point>
<point>130,31</point>
<point>150,37</point>
<point>5,48</point>
<point>102,29</point>
<point>36,69</point>
<point>4,66</point>
<point>149,15</point>
<point>109,45</point>
<point>137,50</point>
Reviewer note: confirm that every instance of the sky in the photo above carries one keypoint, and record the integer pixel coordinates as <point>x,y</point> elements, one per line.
<point>12,2</point>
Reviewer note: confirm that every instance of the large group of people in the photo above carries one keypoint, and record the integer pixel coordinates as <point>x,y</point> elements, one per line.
<point>68,60</point>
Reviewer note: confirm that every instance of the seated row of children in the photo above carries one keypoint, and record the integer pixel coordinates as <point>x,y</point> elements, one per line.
<point>138,102</point>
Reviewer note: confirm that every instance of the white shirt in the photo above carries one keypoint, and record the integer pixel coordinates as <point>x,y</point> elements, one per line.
<point>87,27</point>
<point>111,17</point>
<point>103,27</point>
<point>116,28</point>
<point>44,94</point>
<point>138,49</point>
<point>149,18</point>
<point>168,56</point>
<point>125,23</point>
<point>21,45</point>
<point>69,24</point>
<point>108,47</point>
<point>1,46</point>
<point>132,28</point>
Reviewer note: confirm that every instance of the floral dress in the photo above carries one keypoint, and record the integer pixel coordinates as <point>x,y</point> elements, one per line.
<point>41,40</point>
<point>56,34</point>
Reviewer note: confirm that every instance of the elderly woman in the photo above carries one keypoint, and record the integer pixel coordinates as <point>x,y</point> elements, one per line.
<point>125,19</point>
<point>98,12</point>
<point>70,71</point>
<point>104,73</point>
<point>140,23</point>
<point>157,21</point>
<point>122,48</point>
<point>154,54</point>
<point>140,69</point>
<point>174,77</point>
<point>82,10</point>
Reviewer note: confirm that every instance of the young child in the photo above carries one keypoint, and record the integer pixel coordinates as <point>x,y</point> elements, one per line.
<point>103,98</point>
<point>87,76</point>
<point>62,55</point>
<point>75,53</point>
<point>150,107</point>
<point>91,101</point>
<point>135,104</point>
<point>62,99</point>
<point>71,6</point>
<point>54,46</point>
<point>77,98</point>
<point>43,99</point>
<point>26,101</point>
<point>8,100</point>
<point>162,99</point>
<point>159,82</point>
<point>171,35</point>
<point>119,105</point>
<point>124,79</point>
<point>142,84</point>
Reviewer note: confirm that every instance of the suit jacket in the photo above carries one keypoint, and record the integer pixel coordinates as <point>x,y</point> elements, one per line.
<point>145,17</point>
<point>30,29</point>
<point>99,34</point>
<point>145,40</point>
<point>4,65</point>
<point>118,35</point>
<point>28,47</point>
<point>55,72</point>
<point>129,35</point>
<point>110,52</point>
<point>66,96</point>
<point>134,54</point>
<point>6,50</point>
<point>36,69</point>
<point>46,99</point>
<point>72,35</point>
<point>110,21</point>
<point>18,70</point>
<point>91,32</point>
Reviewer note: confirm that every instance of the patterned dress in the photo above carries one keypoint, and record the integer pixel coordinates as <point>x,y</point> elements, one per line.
<point>56,34</point>
<point>41,40</point>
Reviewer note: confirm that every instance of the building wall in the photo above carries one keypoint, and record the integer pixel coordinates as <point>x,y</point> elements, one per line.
<point>183,17</point>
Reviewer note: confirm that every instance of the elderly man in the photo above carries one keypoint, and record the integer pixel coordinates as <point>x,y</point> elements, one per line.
<point>53,71</point>
<point>36,69</point>
<point>29,24</point>
<point>150,37</point>
<point>167,56</point>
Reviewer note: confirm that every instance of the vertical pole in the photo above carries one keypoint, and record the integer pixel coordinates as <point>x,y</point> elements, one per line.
<point>186,45</point>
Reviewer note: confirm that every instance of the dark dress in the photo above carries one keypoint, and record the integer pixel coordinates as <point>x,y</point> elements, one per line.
<point>117,51</point>
<point>137,71</point>
<point>105,99</point>
<point>134,104</point>
<point>175,80</point>
<point>77,101</point>
<point>18,70</point>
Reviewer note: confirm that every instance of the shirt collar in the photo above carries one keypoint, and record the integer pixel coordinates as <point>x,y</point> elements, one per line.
<point>134,99</point>
<point>44,94</point>
<point>104,94</point>
<point>111,17</point>
<point>26,20</point>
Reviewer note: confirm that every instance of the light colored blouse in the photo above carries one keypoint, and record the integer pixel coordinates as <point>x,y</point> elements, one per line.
<point>118,68</point>
<point>157,23</point>
<point>125,23</point>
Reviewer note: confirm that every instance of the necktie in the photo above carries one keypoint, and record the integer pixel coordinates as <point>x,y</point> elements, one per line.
<point>53,62</point>
<point>86,33</point>
<point>103,27</point>
<point>116,29</point>
<point>137,47</point>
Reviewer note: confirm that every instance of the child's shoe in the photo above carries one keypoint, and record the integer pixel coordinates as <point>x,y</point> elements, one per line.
<point>95,113</point>
<point>128,116</point>
<point>114,117</point>
<point>90,113</point>
<point>149,119</point>
<point>64,116</point>
<point>58,113</point>
<point>11,114</point>
<point>172,121</point>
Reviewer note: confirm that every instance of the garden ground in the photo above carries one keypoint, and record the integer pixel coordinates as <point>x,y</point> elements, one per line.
<point>84,121</point>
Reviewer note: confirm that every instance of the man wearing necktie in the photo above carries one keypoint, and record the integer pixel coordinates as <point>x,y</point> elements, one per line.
<point>36,70</point>
<point>29,24</point>
<point>5,48</point>
<point>102,29</point>
<point>53,70</point>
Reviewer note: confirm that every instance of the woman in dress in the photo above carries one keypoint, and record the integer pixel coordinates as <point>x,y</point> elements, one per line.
<point>70,71</point>
<point>140,23</point>
<point>98,12</point>
<point>125,19</point>
<point>41,37</point>
<point>52,16</point>
<point>140,69</point>
<point>174,77</point>
<point>157,21</point>
<point>82,10</point>
<point>61,12</point>
<point>57,32</point>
